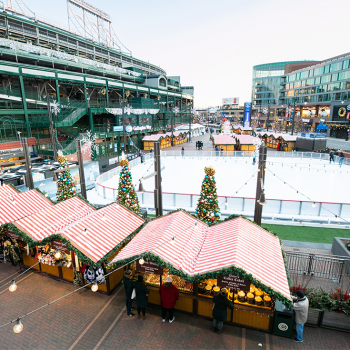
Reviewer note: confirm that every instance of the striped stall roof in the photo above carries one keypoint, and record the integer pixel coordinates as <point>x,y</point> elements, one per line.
<point>21,205</point>
<point>49,221</point>
<point>154,137</point>
<point>247,139</point>
<point>224,140</point>
<point>7,191</point>
<point>105,229</point>
<point>200,249</point>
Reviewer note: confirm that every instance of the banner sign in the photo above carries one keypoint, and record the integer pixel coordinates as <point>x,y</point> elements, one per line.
<point>118,128</point>
<point>233,282</point>
<point>247,110</point>
<point>149,267</point>
<point>230,101</point>
<point>58,245</point>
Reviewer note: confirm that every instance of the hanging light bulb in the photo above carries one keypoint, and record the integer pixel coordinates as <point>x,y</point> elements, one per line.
<point>262,198</point>
<point>84,231</point>
<point>18,328</point>
<point>337,218</point>
<point>58,255</point>
<point>13,286</point>
<point>54,178</point>
<point>226,204</point>
<point>172,241</point>
<point>94,287</point>
<point>141,261</point>
<point>313,204</point>
<point>104,217</point>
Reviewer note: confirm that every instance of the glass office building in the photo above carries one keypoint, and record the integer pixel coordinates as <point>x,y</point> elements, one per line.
<point>267,83</point>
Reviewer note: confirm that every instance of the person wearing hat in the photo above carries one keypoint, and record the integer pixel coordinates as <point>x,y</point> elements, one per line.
<point>168,296</point>
<point>128,286</point>
<point>301,308</point>
<point>221,303</point>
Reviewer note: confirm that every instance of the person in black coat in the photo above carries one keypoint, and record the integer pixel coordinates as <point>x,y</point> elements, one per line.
<point>221,303</point>
<point>128,286</point>
<point>141,296</point>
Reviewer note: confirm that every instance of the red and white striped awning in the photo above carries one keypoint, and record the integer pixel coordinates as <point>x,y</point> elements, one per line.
<point>198,249</point>
<point>20,205</point>
<point>49,221</point>
<point>100,232</point>
<point>7,191</point>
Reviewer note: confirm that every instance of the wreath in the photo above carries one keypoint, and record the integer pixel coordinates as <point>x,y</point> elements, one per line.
<point>103,91</point>
<point>342,112</point>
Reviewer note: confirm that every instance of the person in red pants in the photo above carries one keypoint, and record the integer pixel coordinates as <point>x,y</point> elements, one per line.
<point>168,296</point>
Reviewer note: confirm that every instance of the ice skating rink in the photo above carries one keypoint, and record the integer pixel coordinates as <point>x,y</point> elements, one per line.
<point>319,180</point>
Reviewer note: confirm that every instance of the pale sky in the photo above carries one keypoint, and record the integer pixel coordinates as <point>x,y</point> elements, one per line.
<point>213,45</point>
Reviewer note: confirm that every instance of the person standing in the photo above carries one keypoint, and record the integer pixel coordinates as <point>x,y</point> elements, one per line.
<point>168,296</point>
<point>254,158</point>
<point>278,146</point>
<point>221,303</point>
<point>141,296</point>
<point>331,157</point>
<point>217,151</point>
<point>197,145</point>
<point>182,151</point>
<point>341,158</point>
<point>301,308</point>
<point>128,286</point>
<point>141,156</point>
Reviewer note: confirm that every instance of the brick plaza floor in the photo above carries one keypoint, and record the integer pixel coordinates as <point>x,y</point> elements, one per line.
<point>87,320</point>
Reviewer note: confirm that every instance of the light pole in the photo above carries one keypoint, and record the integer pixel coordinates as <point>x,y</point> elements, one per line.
<point>52,131</point>
<point>294,115</point>
<point>158,200</point>
<point>29,175</point>
<point>81,169</point>
<point>124,133</point>
<point>260,192</point>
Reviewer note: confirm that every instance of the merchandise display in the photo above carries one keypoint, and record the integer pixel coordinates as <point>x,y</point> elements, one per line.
<point>47,255</point>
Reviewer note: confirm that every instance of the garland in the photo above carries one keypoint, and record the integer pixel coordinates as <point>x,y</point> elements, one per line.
<point>209,275</point>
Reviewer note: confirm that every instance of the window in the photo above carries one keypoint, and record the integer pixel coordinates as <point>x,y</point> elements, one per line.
<point>326,78</point>
<point>303,82</point>
<point>310,82</point>
<point>317,80</point>
<point>346,64</point>
<point>335,66</point>
<point>304,74</point>
<point>336,87</point>
<point>326,69</point>
<point>335,77</point>
<point>311,72</point>
<point>344,75</point>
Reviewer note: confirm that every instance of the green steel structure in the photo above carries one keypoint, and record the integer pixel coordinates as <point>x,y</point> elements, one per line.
<point>82,79</point>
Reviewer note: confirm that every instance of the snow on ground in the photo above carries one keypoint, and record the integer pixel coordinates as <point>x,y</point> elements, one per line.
<point>317,179</point>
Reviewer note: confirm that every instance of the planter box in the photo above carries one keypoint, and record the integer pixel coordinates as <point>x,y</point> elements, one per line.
<point>314,317</point>
<point>336,320</point>
<point>338,248</point>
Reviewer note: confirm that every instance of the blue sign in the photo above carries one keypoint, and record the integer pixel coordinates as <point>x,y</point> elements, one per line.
<point>291,116</point>
<point>247,110</point>
<point>122,145</point>
<point>117,128</point>
<point>131,143</point>
<point>222,115</point>
<point>128,128</point>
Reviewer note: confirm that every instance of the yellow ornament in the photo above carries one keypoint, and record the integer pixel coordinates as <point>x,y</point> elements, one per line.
<point>124,162</point>
<point>209,171</point>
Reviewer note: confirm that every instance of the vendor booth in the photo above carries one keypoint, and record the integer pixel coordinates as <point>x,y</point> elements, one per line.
<point>245,130</point>
<point>226,142</point>
<point>235,254</point>
<point>178,137</point>
<point>72,238</point>
<point>246,142</point>
<point>272,139</point>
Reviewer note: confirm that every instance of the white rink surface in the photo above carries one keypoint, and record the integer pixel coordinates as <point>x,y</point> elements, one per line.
<point>317,179</point>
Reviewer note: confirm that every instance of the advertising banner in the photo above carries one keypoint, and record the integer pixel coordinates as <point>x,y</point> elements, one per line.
<point>230,101</point>
<point>247,110</point>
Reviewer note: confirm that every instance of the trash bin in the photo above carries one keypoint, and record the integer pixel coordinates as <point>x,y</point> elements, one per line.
<point>283,324</point>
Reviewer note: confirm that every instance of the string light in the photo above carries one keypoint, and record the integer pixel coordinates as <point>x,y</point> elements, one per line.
<point>172,241</point>
<point>18,328</point>
<point>104,217</point>
<point>141,261</point>
<point>226,203</point>
<point>94,287</point>
<point>13,286</point>
<point>313,204</point>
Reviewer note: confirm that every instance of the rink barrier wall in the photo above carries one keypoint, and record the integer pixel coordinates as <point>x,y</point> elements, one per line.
<point>275,209</point>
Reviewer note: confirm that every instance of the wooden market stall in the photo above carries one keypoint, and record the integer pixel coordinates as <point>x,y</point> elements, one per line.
<point>272,139</point>
<point>7,191</point>
<point>178,137</point>
<point>235,254</point>
<point>288,142</point>
<point>226,142</point>
<point>245,130</point>
<point>246,142</point>
<point>149,140</point>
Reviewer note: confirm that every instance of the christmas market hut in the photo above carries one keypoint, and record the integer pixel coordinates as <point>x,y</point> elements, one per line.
<point>178,137</point>
<point>8,191</point>
<point>246,142</point>
<point>288,142</point>
<point>13,207</point>
<point>245,130</point>
<point>149,140</point>
<point>226,142</point>
<point>35,229</point>
<point>235,254</point>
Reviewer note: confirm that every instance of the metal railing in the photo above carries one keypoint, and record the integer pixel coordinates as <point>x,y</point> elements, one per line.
<point>331,267</point>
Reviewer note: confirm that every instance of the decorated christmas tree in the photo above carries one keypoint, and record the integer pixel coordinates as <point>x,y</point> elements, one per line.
<point>276,127</point>
<point>126,191</point>
<point>65,183</point>
<point>298,126</point>
<point>255,124</point>
<point>236,119</point>
<point>208,208</point>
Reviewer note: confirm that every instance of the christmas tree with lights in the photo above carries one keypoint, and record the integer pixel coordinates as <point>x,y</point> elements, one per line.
<point>298,126</point>
<point>126,191</point>
<point>208,208</point>
<point>276,127</point>
<point>65,183</point>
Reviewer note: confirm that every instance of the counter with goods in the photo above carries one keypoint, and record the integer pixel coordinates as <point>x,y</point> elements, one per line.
<point>203,259</point>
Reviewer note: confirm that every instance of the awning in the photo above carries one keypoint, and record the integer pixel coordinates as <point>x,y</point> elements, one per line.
<point>234,246</point>
<point>49,221</point>
<point>7,191</point>
<point>223,140</point>
<point>102,231</point>
<point>20,205</point>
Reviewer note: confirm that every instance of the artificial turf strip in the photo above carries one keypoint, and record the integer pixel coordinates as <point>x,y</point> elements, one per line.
<point>307,234</point>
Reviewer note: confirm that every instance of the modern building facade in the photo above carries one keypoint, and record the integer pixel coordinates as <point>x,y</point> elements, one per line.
<point>81,78</point>
<point>319,91</point>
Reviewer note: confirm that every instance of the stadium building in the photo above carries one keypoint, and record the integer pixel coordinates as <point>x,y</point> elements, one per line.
<point>44,67</point>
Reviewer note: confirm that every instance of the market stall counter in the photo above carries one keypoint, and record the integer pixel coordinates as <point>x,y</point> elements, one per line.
<point>236,254</point>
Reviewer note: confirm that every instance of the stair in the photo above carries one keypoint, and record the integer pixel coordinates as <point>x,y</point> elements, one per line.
<point>69,115</point>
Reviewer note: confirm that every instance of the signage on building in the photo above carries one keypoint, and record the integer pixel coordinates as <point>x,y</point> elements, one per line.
<point>234,282</point>
<point>247,110</point>
<point>149,267</point>
<point>58,245</point>
<point>305,120</point>
<point>128,128</point>
<point>230,101</point>
<point>118,128</point>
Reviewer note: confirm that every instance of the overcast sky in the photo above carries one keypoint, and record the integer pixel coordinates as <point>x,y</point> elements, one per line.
<point>213,45</point>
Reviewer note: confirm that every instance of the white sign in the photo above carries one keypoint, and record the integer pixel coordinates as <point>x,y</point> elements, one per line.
<point>230,101</point>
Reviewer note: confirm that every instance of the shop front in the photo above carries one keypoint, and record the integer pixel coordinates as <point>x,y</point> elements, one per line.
<point>225,142</point>
<point>235,254</point>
